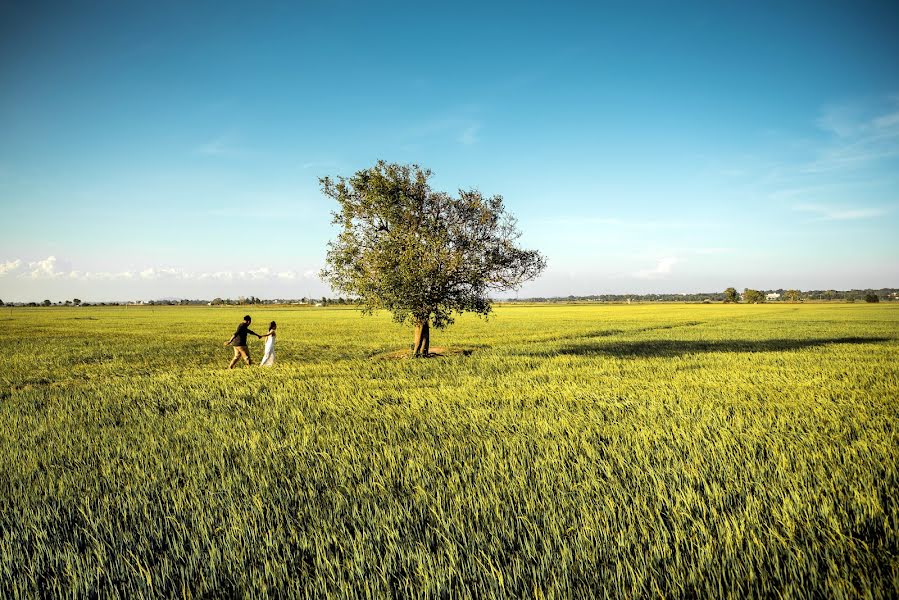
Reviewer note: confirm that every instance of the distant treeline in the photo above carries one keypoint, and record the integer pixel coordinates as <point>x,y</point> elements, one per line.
<point>240,301</point>
<point>883,294</point>
<point>778,295</point>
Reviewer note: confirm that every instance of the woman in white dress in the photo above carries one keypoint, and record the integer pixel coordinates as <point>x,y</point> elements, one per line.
<point>268,355</point>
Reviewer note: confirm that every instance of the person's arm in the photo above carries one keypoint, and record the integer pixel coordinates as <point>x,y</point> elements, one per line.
<point>228,343</point>
<point>254,333</point>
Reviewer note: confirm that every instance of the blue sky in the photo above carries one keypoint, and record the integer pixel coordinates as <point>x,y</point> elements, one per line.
<point>174,149</point>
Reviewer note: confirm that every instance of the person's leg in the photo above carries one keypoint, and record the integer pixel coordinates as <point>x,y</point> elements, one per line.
<point>236,357</point>
<point>246,355</point>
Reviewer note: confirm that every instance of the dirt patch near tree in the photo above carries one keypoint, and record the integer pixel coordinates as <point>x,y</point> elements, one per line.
<point>435,352</point>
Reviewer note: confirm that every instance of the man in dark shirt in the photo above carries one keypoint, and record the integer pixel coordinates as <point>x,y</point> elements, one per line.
<point>239,341</point>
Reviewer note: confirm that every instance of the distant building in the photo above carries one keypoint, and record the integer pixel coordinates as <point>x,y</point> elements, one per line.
<point>772,296</point>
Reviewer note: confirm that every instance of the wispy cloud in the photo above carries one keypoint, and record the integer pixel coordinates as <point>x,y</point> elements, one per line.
<point>662,269</point>
<point>712,250</point>
<point>648,224</point>
<point>470,135</point>
<point>862,134</point>
<point>886,122</point>
<point>842,120</point>
<point>320,164</point>
<point>583,221</point>
<point>223,145</point>
<point>830,213</point>
<point>461,125</point>
<point>261,211</point>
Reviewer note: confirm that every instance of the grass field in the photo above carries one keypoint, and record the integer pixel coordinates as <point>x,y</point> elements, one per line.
<point>608,451</point>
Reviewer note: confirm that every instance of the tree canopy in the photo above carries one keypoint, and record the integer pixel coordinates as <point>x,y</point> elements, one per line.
<point>420,253</point>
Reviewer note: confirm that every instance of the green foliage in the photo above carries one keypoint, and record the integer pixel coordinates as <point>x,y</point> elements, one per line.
<point>753,296</point>
<point>871,298</point>
<point>793,295</point>
<point>419,253</point>
<point>640,451</point>
<point>731,296</point>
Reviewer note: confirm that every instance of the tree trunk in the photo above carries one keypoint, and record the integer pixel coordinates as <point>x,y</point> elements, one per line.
<point>422,341</point>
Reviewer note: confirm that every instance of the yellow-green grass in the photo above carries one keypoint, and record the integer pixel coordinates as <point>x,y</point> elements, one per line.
<point>619,451</point>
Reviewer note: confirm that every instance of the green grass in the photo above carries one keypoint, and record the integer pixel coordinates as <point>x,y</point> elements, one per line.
<point>610,451</point>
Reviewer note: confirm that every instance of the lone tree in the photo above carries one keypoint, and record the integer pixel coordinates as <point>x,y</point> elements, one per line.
<point>730,295</point>
<point>753,296</point>
<point>793,295</point>
<point>420,253</point>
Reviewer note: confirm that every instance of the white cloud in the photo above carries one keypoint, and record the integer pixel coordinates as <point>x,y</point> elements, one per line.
<point>9,267</point>
<point>829,213</point>
<point>163,273</point>
<point>43,269</point>
<point>51,268</point>
<point>263,273</point>
<point>662,269</point>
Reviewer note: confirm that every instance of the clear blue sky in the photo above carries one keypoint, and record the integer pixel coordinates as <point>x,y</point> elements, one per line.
<point>152,149</point>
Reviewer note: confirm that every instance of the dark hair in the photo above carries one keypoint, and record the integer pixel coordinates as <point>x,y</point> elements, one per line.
<point>272,325</point>
<point>247,318</point>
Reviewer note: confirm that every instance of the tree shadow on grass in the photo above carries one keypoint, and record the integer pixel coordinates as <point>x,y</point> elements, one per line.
<point>598,333</point>
<point>671,348</point>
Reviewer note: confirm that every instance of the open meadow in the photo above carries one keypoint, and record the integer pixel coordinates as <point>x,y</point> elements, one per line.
<point>578,450</point>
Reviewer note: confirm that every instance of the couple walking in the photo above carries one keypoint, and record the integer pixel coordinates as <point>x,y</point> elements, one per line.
<point>239,341</point>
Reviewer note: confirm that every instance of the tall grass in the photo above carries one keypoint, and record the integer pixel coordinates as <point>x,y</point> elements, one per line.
<point>624,451</point>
